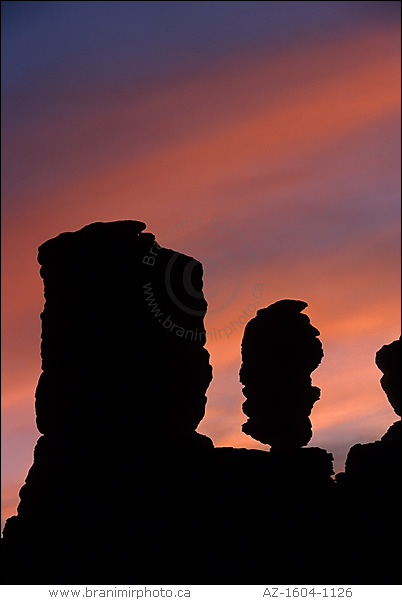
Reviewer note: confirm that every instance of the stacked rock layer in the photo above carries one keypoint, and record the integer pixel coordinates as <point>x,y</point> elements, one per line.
<point>280,349</point>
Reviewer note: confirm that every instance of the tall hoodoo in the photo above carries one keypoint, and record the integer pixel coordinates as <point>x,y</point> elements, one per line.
<point>122,338</point>
<point>122,391</point>
<point>280,349</point>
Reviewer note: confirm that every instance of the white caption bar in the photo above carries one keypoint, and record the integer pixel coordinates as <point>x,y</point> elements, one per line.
<point>201,592</point>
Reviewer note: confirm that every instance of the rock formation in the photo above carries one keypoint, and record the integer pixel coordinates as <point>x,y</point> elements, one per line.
<point>379,461</point>
<point>280,350</point>
<point>124,490</point>
<point>388,360</point>
<point>370,490</point>
<point>121,394</point>
<point>105,339</point>
<point>287,494</point>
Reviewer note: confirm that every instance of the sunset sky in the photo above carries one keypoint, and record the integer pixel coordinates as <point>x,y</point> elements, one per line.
<point>262,138</point>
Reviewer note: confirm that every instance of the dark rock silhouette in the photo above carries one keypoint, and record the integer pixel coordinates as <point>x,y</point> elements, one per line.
<point>293,492</point>
<point>124,490</point>
<point>280,350</point>
<point>101,343</point>
<point>388,359</point>
<point>273,511</point>
<point>120,396</point>
<point>370,490</point>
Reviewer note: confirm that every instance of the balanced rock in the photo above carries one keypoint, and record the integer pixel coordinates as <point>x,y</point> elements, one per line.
<point>280,349</point>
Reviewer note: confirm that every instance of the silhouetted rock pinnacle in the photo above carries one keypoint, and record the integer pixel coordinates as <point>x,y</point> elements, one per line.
<point>280,349</point>
<point>121,394</point>
<point>107,336</point>
<point>371,490</point>
<point>388,359</point>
